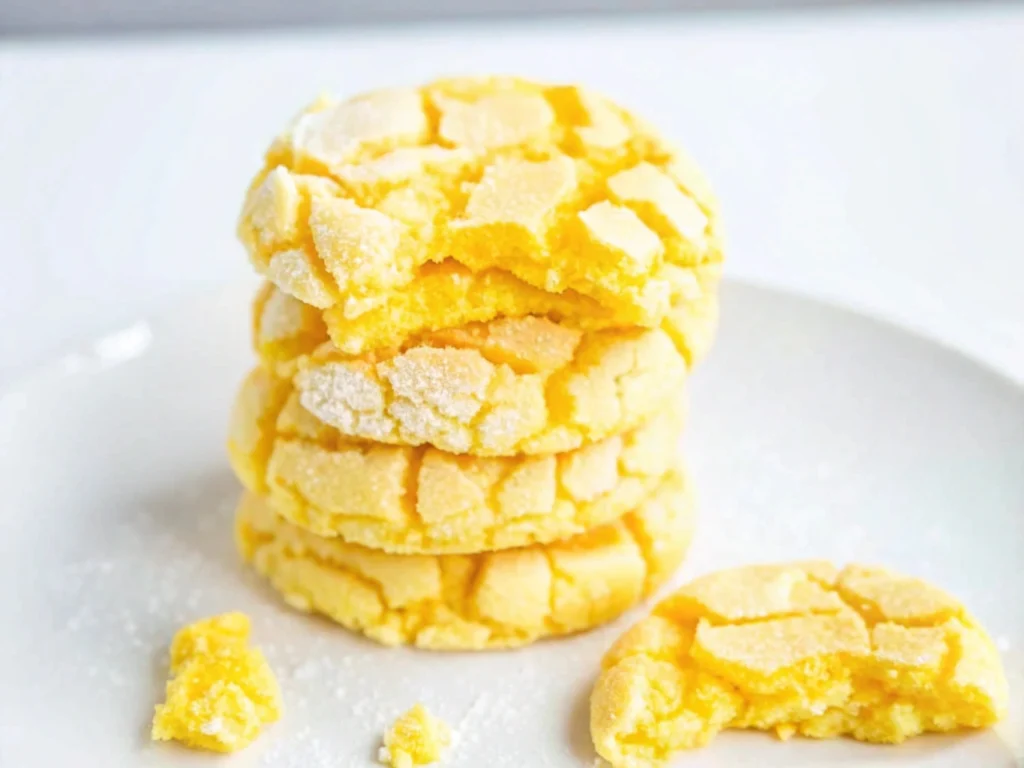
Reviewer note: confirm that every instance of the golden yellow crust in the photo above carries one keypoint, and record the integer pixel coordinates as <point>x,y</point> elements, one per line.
<point>416,500</point>
<point>555,185</point>
<point>796,648</point>
<point>221,692</point>
<point>416,738</point>
<point>473,602</point>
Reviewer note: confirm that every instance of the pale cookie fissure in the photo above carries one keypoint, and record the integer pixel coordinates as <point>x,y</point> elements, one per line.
<point>447,295</point>
<point>221,692</point>
<point>473,602</point>
<point>508,387</point>
<point>798,649</point>
<point>555,185</point>
<point>406,499</point>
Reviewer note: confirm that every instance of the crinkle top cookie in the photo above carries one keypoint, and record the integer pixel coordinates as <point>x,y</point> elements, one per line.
<point>561,187</point>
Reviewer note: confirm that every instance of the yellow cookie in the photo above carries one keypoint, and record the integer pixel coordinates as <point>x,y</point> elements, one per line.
<point>405,499</point>
<point>554,185</point>
<point>416,738</point>
<point>797,648</point>
<point>508,387</point>
<point>448,295</point>
<point>473,602</point>
<point>221,691</point>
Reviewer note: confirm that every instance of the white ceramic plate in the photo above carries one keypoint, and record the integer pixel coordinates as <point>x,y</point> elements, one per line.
<point>815,433</point>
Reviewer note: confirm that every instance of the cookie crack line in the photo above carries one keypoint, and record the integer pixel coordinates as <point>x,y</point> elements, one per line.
<point>797,649</point>
<point>488,600</point>
<point>603,207</point>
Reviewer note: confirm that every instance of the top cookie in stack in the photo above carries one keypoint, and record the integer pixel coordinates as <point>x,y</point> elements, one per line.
<point>411,210</point>
<point>483,297</point>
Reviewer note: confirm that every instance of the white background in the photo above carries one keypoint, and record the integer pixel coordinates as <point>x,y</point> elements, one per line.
<point>871,157</point>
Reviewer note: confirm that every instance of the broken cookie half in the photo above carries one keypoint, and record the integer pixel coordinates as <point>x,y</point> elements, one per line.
<point>797,649</point>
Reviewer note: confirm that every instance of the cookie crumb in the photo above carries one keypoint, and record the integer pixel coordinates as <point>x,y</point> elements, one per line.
<point>416,738</point>
<point>221,691</point>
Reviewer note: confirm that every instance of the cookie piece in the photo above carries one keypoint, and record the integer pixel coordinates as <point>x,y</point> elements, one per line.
<point>797,649</point>
<point>416,500</point>
<point>473,602</point>
<point>416,738</point>
<point>553,184</point>
<point>221,692</point>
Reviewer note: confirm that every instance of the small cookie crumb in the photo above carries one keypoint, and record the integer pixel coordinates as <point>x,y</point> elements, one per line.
<point>416,738</point>
<point>221,692</point>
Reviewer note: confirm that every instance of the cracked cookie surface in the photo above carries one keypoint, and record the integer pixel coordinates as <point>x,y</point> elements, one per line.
<point>507,387</point>
<point>797,649</point>
<point>473,602</point>
<point>554,185</point>
<point>408,499</point>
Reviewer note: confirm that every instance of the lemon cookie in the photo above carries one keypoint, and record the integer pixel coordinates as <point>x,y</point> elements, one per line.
<point>797,649</point>
<point>555,185</point>
<point>405,499</point>
<point>473,602</point>
<point>508,387</point>
<point>221,691</point>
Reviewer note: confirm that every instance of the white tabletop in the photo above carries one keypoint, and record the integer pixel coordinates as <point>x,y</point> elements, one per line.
<point>873,158</point>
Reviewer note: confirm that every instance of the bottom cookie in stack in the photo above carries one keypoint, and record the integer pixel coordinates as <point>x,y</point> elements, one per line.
<point>497,599</point>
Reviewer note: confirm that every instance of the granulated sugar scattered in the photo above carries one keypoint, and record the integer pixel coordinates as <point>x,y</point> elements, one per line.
<point>302,750</point>
<point>308,670</point>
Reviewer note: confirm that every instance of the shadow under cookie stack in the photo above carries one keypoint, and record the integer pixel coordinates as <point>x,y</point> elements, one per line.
<point>483,299</point>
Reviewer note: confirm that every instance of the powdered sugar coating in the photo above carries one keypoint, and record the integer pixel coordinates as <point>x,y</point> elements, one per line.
<point>508,386</point>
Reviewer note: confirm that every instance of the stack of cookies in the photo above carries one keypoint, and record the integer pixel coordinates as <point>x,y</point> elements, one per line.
<point>483,298</point>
